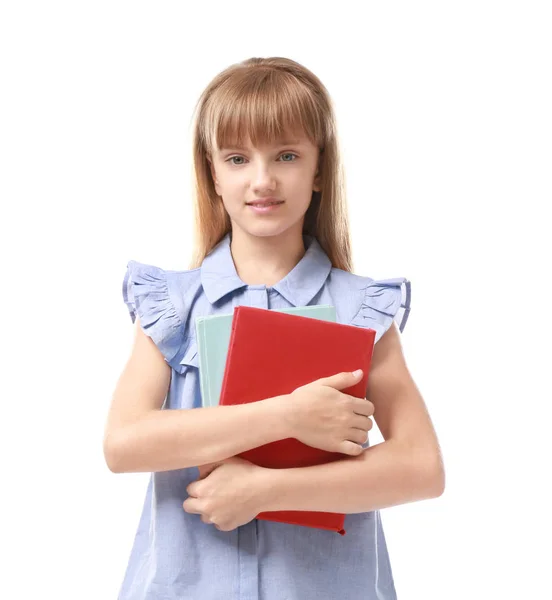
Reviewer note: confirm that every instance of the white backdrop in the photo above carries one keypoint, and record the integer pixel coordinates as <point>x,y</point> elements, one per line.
<point>444,117</point>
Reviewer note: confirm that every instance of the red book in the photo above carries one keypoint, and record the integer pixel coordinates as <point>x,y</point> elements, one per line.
<point>271,354</point>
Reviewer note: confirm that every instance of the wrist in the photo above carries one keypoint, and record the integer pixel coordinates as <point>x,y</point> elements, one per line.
<point>280,416</point>
<point>267,486</point>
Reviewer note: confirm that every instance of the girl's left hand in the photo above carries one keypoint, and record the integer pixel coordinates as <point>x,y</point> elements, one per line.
<point>227,494</point>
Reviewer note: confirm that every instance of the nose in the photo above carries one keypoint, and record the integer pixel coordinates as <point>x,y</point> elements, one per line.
<point>263,176</point>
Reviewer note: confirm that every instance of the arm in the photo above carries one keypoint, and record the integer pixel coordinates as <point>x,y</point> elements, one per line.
<point>140,436</point>
<point>406,467</point>
<point>384,475</point>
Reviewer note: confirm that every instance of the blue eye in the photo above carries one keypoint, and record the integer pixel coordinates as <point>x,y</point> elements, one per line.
<point>284,154</point>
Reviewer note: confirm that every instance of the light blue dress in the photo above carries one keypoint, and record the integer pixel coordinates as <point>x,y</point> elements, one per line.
<point>177,556</point>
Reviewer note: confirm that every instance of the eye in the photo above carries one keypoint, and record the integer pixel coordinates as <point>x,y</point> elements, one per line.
<point>284,154</point>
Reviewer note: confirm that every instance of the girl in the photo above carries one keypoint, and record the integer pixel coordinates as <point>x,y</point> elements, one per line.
<point>272,232</point>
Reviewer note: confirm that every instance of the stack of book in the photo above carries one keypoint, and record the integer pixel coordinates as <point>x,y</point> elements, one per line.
<point>257,353</point>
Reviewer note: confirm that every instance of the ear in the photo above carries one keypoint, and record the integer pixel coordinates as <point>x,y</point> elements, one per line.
<point>316,186</point>
<point>317,183</point>
<point>213,174</point>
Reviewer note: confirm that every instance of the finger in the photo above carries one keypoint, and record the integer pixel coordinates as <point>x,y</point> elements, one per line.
<point>206,519</point>
<point>343,380</point>
<point>361,406</point>
<point>206,470</point>
<point>350,448</point>
<point>362,422</point>
<point>192,505</point>
<point>358,436</point>
<point>193,489</point>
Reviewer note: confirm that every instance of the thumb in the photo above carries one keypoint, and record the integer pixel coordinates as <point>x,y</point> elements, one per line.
<point>343,380</point>
<point>207,469</point>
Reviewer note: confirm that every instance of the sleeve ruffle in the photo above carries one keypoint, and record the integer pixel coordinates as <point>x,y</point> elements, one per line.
<point>384,301</point>
<point>146,294</point>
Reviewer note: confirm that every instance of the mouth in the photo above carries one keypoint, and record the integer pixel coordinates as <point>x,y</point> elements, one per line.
<point>265,207</point>
<point>264,203</point>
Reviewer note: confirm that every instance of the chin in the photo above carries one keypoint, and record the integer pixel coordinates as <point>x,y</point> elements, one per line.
<point>267,228</point>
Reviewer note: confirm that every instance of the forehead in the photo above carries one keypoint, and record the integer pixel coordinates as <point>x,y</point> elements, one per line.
<point>288,140</point>
<point>282,142</point>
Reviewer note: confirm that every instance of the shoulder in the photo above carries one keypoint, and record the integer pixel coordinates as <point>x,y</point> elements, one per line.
<point>162,299</point>
<point>372,303</point>
<point>148,288</point>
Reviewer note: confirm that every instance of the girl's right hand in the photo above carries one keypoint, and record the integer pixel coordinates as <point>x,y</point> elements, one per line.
<point>323,417</point>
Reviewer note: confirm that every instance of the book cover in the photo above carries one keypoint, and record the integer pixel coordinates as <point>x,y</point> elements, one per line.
<point>273,353</point>
<point>213,336</point>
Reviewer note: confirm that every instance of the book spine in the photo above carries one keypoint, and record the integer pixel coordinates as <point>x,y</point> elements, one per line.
<point>205,380</point>
<point>235,318</point>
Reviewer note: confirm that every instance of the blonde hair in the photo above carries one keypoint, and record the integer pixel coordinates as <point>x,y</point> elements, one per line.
<point>264,99</point>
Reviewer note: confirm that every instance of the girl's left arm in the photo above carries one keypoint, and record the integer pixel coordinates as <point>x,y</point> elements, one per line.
<point>406,467</point>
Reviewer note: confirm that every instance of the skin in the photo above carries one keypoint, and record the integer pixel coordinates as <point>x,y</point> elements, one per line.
<point>265,247</point>
<point>408,465</point>
<point>227,494</point>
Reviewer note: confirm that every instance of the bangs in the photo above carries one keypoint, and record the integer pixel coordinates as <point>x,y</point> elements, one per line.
<point>264,107</point>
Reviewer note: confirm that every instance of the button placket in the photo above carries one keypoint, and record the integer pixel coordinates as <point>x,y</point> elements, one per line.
<point>257,296</point>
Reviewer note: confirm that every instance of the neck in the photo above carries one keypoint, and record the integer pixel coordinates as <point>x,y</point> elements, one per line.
<point>265,260</point>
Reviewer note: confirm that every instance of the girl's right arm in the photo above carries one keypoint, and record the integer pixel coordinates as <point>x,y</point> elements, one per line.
<point>141,437</point>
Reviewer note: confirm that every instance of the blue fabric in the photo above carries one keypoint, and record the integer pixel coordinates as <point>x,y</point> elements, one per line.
<point>175,555</point>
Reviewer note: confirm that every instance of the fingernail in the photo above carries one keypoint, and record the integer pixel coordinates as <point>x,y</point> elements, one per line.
<point>357,372</point>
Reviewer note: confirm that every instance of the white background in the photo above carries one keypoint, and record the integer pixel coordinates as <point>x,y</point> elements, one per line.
<point>444,114</point>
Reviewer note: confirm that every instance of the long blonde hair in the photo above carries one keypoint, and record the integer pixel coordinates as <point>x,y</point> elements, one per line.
<point>264,98</point>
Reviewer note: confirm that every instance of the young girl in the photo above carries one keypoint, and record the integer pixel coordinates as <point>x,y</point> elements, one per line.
<point>272,232</point>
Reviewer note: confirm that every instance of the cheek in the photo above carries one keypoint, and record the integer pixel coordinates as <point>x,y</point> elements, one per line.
<point>231,204</point>
<point>302,200</point>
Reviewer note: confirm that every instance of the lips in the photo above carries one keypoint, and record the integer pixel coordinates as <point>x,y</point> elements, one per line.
<point>261,204</point>
<point>265,202</point>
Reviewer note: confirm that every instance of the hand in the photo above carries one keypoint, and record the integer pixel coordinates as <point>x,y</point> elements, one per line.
<point>323,417</point>
<point>227,494</point>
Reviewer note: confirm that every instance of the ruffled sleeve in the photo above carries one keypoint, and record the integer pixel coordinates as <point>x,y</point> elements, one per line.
<point>146,294</point>
<point>384,301</point>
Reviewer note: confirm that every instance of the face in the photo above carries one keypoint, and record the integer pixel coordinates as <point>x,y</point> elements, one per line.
<point>286,171</point>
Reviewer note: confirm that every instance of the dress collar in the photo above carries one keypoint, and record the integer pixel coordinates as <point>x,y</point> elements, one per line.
<point>219,276</point>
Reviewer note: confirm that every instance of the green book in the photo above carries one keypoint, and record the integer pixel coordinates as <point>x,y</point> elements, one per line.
<point>213,338</point>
